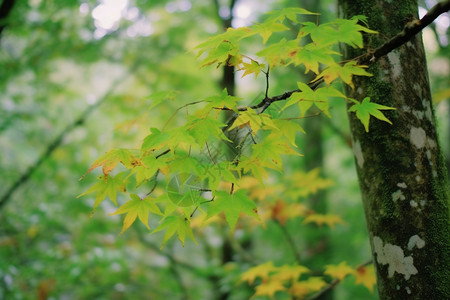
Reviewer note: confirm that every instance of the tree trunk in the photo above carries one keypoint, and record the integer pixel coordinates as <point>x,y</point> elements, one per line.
<point>400,167</point>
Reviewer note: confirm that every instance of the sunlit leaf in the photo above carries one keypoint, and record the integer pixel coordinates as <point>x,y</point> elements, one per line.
<point>366,276</point>
<point>137,207</point>
<point>339,271</point>
<point>260,271</point>
<point>320,219</point>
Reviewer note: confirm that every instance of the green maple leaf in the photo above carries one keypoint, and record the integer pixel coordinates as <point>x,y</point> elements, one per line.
<point>268,152</point>
<point>349,32</point>
<point>110,160</point>
<point>254,120</point>
<point>218,102</point>
<point>175,224</point>
<point>162,96</point>
<point>323,35</point>
<point>252,67</point>
<point>280,53</point>
<point>232,206</point>
<point>150,166</point>
<point>266,29</point>
<point>205,128</point>
<point>172,139</point>
<point>345,72</point>
<point>366,108</point>
<point>290,13</point>
<point>311,56</point>
<point>104,188</point>
<point>288,129</point>
<point>137,208</point>
<point>221,47</point>
<point>307,97</point>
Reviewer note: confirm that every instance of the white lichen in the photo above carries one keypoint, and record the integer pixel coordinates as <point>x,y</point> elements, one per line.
<point>356,145</point>
<point>408,290</point>
<point>428,111</point>
<point>415,241</point>
<point>417,137</point>
<point>431,143</point>
<point>413,203</point>
<point>398,195</point>
<point>394,59</point>
<point>422,202</point>
<point>402,185</point>
<point>418,178</point>
<point>393,256</point>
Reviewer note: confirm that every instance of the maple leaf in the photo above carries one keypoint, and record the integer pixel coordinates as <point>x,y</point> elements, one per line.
<point>137,207</point>
<point>366,276</point>
<point>280,53</point>
<point>172,139</point>
<point>307,97</point>
<point>312,55</point>
<point>268,152</point>
<point>303,288</point>
<point>283,211</point>
<point>366,108</point>
<point>269,288</point>
<point>321,219</point>
<point>288,129</point>
<point>306,183</point>
<point>262,271</point>
<point>218,102</point>
<point>150,165</point>
<point>254,120</point>
<point>175,224</point>
<point>268,27</point>
<point>289,272</point>
<point>345,72</point>
<point>162,96</point>
<point>203,129</point>
<point>290,13</point>
<point>105,188</point>
<point>232,206</point>
<point>349,32</point>
<point>252,67</point>
<point>323,35</point>
<point>110,160</point>
<point>339,271</point>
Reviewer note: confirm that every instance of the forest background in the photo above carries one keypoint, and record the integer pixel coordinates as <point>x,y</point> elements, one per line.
<point>80,78</point>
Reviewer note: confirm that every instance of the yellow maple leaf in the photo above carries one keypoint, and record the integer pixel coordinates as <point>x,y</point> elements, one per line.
<point>302,288</point>
<point>289,272</point>
<point>366,276</point>
<point>321,219</point>
<point>339,271</point>
<point>261,271</point>
<point>269,288</point>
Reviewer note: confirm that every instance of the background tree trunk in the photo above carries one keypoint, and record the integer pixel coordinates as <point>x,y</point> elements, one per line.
<point>400,167</point>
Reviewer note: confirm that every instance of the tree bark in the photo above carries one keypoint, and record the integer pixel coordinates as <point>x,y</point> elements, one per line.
<point>400,167</point>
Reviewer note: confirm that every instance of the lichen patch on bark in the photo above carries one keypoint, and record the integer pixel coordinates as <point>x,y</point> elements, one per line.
<point>394,257</point>
<point>417,137</point>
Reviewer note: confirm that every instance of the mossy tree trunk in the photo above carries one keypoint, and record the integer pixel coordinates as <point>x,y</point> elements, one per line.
<point>400,167</point>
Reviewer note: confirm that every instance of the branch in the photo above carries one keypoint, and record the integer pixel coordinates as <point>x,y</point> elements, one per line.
<point>59,139</point>
<point>410,29</point>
